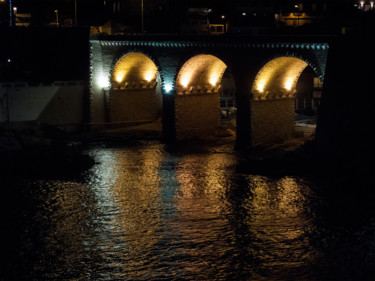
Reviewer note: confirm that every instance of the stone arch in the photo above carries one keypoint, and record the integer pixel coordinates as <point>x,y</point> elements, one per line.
<point>200,74</point>
<point>133,68</point>
<point>133,95</point>
<point>278,78</point>
<point>197,99</point>
<point>272,99</point>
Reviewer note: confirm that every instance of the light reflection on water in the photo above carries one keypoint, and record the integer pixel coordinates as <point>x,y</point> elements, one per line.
<point>143,213</point>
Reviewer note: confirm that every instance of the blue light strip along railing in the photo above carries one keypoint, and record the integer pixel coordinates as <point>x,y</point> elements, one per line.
<point>10,13</point>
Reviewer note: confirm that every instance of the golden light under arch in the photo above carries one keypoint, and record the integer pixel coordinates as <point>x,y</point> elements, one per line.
<point>280,75</point>
<point>134,67</point>
<point>204,71</point>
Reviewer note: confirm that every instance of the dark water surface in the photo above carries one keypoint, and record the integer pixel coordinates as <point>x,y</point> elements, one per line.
<point>151,212</point>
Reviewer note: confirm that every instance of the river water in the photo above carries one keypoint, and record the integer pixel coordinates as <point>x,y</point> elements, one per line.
<point>148,211</point>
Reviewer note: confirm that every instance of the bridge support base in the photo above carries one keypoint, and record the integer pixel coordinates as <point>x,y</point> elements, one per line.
<point>272,120</point>
<point>197,116</point>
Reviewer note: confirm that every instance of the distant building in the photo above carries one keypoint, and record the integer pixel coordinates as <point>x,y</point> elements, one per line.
<point>22,19</point>
<point>296,19</point>
<point>196,21</point>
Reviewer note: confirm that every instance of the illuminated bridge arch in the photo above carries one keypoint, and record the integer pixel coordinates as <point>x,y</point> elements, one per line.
<point>200,74</point>
<point>133,94</point>
<point>133,68</point>
<point>197,101</point>
<point>278,78</point>
<point>272,94</point>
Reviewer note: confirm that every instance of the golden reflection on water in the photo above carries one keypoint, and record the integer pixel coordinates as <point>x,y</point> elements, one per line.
<point>143,213</point>
<point>136,192</point>
<point>65,213</point>
<point>201,203</point>
<point>278,221</point>
<point>166,206</point>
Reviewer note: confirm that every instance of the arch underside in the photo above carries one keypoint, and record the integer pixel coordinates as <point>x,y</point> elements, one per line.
<point>278,78</point>
<point>134,70</point>
<point>200,74</point>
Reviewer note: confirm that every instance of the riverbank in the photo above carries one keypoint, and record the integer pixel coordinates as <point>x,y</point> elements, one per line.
<point>37,149</point>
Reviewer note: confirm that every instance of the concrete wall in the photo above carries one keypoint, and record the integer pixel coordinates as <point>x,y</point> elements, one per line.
<point>197,116</point>
<point>133,105</point>
<point>60,103</point>
<point>272,120</point>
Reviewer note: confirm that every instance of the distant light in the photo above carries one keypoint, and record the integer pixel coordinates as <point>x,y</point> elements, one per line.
<point>244,14</point>
<point>168,88</point>
<point>223,16</point>
<point>103,81</point>
<point>9,60</point>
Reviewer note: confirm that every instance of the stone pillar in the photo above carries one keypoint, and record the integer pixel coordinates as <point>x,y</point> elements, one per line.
<point>243,121</point>
<point>272,120</point>
<point>197,115</point>
<point>135,104</point>
<point>168,117</point>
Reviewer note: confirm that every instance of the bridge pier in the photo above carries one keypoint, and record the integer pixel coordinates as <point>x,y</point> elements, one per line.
<point>168,117</point>
<point>197,116</point>
<point>243,121</point>
<point>272,120</point>
<point>125,105</point>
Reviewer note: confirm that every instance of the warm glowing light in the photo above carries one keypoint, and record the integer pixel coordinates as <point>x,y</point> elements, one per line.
<point>279,75</point>
<point>120,76</point>
<point>185,81</point>
<point>134,68</point>
<point>289,84</point>
<point>103,81</point>
<point>261,85</point>
<point>200,74</point>
<point>149,76</point>
<point>213,79</point>
<point>168,87</point>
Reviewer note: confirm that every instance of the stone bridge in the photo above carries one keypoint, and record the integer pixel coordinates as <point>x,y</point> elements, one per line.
<point>178,78</point>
